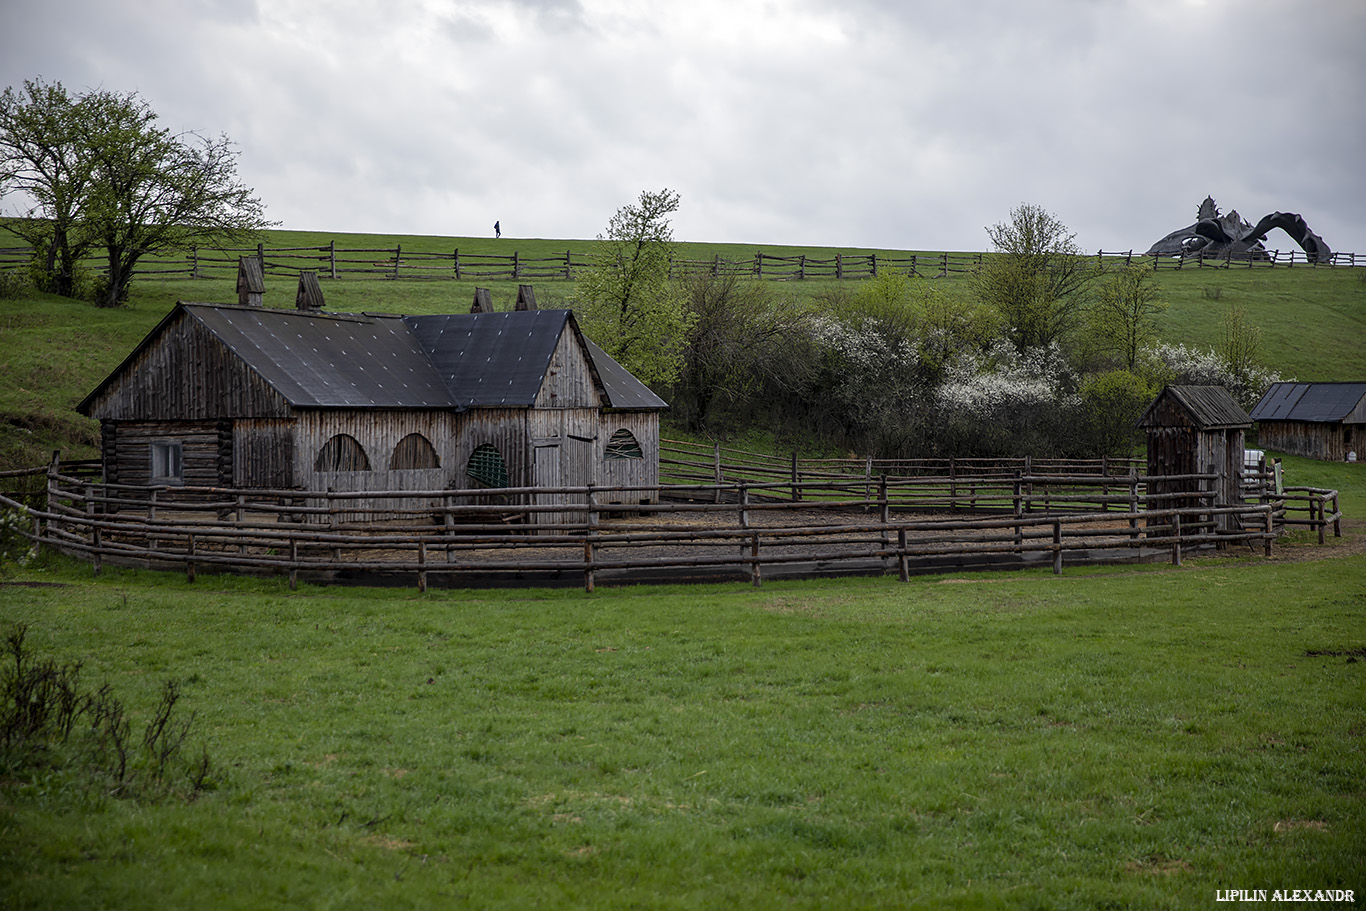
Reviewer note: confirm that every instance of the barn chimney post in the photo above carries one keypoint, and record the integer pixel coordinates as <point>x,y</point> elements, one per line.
<point>526,298</point>
<point>309,298</point>
<point>251,281</point>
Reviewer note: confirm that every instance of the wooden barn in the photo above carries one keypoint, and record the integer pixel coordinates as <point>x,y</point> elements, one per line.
<point>1196,430</point>
<point>251,397</point>
<point>1319,420</point>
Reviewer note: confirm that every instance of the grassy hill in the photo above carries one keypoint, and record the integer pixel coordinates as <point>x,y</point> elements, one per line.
<point>54,351</point>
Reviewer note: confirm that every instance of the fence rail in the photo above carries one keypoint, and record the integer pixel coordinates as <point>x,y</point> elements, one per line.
<point>738,528</point>
<point>335,262</point>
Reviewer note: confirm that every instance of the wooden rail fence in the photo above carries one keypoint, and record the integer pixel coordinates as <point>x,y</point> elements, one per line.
<point>738,527</point>
<point>397,263</point>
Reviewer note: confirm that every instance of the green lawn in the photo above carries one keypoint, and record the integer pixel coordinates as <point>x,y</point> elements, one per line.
<point>1135,738</point>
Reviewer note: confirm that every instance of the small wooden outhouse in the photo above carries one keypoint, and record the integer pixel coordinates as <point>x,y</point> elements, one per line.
<point>1196,430</point>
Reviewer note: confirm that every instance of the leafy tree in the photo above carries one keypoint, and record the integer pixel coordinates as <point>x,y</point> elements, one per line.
<point>42,158</point>
<point>1123,318</point>
<point>102,174</point>
<point>1112,403</point>
<point>740,340</point>
<point>1037,277</point>
<point>626,301</point>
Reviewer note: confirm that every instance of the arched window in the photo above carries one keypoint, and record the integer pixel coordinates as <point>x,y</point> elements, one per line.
<point>486,467</point>
<point>413,451</point>
<point>342,453</point>
<point>623,445</point>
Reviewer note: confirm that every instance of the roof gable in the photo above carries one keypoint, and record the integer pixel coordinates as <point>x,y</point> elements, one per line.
<point>1207,408</point>
<point>1311,402</point>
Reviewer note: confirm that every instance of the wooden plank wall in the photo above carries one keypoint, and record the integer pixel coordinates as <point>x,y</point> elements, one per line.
<point>644,426</point>
<point>187,375</point>
<point>1315,440</point>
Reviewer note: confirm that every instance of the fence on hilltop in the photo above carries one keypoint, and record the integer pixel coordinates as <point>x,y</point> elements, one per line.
<point>332,261</point>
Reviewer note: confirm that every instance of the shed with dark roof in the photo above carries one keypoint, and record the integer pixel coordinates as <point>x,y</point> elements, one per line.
<point>251,397</point>
<point>1196,430</point>
<point>1319,420</point>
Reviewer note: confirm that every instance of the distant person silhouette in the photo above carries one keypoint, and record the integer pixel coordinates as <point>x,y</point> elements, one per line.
<point>497,231</point>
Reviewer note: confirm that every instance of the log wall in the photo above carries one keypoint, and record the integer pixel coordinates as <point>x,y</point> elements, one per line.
<point>1314,440</point>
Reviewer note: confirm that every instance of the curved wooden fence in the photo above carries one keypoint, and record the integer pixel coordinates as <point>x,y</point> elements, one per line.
<point>737,529</point>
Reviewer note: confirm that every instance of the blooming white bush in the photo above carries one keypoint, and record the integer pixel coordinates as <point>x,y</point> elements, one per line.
<point>15,546</point>
<point>1191,366</point>
<point>1002,378</point>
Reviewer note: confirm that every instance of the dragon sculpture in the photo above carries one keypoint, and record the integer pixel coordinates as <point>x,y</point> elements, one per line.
<point>1217,235</point>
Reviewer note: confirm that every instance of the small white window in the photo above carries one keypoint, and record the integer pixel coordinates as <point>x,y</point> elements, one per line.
<point>168,463</point>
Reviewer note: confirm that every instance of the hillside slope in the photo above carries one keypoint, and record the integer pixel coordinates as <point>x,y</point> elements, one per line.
<point>54,351</point>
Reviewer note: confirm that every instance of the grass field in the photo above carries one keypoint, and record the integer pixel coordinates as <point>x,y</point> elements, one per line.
<point>1133,738</point>
<point>1111,738</point>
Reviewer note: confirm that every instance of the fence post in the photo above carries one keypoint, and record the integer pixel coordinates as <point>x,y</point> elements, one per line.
<point>398,253</point>
<point>716,460</point>
<point>152,542</point>
<point>293,561</point>
<point>903,561</point>
<point>567,265</point>
<point>885,510</point>
<point>1267,520</point>
<point>241,514</point>
<point>1057,547</point>
<point>796,493</point>
<point>755,575</point>
<point>1176,539</point>
<point>1323,518</point>
<point>839,266</point>
<point>332,257</point>
<point>455,258</point>
<point>1133,502</point>
<point>588,550</point>
<point>189,557</point>
<point>194,262</point>
<point>516,266</point>
<point>95,560</point>
<point>801,268</point>
<point>744,510</point>
<point>953,485</point>
<point>1019,512</point>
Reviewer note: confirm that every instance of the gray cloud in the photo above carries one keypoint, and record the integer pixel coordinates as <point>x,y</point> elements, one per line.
<point>863,122</point>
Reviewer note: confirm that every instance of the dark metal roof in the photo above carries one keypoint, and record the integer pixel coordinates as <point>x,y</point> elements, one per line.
<point>1210,407</point>
<point>329,361</point>
<point>1318,402</point>
<point>622,388</point>
<point>490,359</point>
<point>471,360</point>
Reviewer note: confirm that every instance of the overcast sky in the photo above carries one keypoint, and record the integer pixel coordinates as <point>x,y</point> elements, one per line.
<point>869,123</point>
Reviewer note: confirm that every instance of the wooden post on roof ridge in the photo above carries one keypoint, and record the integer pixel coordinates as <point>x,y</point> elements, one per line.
<point>251,282</point>
<point>309,297</point>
